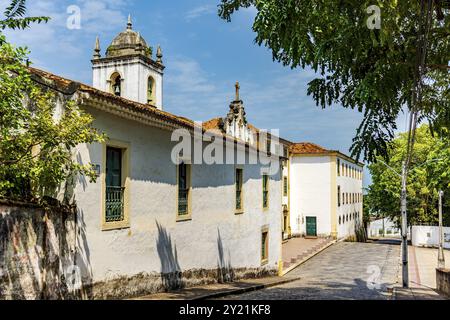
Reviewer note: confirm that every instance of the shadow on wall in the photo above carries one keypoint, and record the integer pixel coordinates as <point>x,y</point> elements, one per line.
<point>225,272</point>
<point>170,268</point>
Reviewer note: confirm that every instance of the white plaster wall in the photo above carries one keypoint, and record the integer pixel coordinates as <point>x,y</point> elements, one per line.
<point>153,199</point>
<point>348,185</point>
<point>134,74</point>
<point>310,193</point>
<point>428,236</point>
<point>377,225</point>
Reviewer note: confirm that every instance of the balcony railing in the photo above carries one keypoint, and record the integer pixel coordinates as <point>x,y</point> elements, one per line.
<point>265,199</point>
<point>114,204</point>
<point>183,203</point>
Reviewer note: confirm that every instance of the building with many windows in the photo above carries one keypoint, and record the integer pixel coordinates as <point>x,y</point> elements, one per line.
<point>325,192</point>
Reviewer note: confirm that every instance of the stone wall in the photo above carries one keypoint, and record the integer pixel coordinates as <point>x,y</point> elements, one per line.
<point>36,247</point>
<point>443,281</point>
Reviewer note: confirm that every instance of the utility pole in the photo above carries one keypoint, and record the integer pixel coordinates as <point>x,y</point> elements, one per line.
<point>441,258</point>
<point>405,275</point>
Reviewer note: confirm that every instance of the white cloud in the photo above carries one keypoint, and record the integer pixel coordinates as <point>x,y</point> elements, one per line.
<point>200,11</point>
<point>97,17</point>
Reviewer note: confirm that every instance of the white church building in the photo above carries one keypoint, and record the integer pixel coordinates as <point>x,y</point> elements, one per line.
<point>150,224</point>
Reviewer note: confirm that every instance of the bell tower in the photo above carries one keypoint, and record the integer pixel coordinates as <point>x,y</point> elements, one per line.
<point>128,69</point>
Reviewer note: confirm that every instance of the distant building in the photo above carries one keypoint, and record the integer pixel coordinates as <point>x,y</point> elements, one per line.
<point>383,228</point>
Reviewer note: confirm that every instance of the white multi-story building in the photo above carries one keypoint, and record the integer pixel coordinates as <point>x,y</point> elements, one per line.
<point>325,192</point>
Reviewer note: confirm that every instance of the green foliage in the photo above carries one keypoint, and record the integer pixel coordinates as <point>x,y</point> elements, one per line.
<point>36,141</point>
<point>371,71</point>
<point>15,16</point>
<point>430,172</point>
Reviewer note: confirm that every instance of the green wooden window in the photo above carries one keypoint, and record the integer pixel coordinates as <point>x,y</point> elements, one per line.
<point>239,182</point>
<point>339,195</point>
<point>265,246</point>
<point>338,167</point>
<point>183,189</point>
<point>114,190</point>
<point>285,186</point>
<point>265,191</point>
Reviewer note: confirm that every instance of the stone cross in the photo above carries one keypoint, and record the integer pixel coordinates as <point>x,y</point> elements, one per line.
<point>237,91</point>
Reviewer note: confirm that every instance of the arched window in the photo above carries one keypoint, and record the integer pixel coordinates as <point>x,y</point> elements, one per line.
<point>151,91</point>
<point>116,84</point>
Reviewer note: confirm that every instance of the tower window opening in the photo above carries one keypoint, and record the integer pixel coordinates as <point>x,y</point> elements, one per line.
<point>116,84</point>
<point>151,91</point>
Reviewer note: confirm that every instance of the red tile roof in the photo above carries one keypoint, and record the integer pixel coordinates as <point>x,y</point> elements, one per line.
<point>70,87</point>
<point>307,148</point>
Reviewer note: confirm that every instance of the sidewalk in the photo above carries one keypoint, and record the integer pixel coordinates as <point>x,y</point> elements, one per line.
<point>220,290</point>
<point>422,275</point>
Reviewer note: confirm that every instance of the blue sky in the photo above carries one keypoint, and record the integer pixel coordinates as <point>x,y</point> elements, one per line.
<point>204,57</point>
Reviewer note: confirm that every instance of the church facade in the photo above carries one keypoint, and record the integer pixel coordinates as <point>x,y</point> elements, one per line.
<point>159,219</point>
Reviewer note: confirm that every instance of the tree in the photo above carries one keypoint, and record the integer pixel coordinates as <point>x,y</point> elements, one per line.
<point>430,173</point>
<point>35,144</point>
<point>376,71</point>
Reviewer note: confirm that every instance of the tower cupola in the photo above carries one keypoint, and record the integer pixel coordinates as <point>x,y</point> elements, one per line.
<point>128,69</point>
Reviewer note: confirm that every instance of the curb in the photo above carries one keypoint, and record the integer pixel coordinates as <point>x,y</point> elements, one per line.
<point>296,265</point>
<point>244,290</point>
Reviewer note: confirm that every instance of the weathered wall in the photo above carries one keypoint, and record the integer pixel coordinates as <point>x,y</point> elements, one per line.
<point>36,247</point>
<point>443,281</point>
<point>428,236</point>
<point>43,253</point>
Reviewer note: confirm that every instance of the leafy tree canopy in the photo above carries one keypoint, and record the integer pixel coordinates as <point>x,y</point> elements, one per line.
<point>371,70</point>
<point>430,172</point>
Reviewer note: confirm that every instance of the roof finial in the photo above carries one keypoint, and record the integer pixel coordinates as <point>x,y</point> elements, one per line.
<point>97,49</point>
<point>237,91</point>
<point>159,55</point>
<point>130,23</point>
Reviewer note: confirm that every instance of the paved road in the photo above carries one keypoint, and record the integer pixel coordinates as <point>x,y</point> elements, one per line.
<point>340,272</point>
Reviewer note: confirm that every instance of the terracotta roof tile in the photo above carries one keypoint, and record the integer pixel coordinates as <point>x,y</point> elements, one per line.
<point>307,148</point>
<point>212,124</point>
<point>70,87</point>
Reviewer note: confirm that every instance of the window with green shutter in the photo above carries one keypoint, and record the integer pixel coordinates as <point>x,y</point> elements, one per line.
<point>285,186</point>
<point>239,183</point>
<point>183,189</point>
<point>265,181</point>
<point>265,246</point>
<point>114,189</point>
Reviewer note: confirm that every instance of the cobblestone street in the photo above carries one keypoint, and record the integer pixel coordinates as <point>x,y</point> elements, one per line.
<point>343,271</point>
